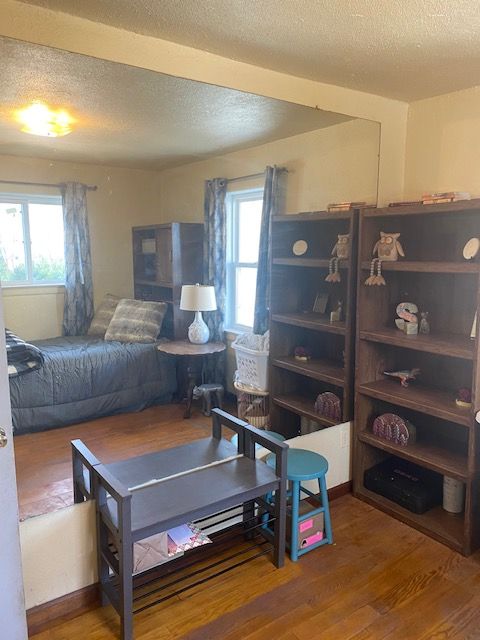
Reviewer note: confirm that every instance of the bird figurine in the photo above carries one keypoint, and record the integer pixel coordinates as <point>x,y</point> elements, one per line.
<point>405,375</point>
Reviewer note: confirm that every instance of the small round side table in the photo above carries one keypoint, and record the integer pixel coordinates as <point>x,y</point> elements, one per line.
<point>194,356</point>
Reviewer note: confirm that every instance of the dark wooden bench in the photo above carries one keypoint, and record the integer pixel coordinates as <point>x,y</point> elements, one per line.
<point>139,497</point>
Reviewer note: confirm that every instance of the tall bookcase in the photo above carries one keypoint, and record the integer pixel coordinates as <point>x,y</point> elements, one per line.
<point>296,282</point>
<point>435,276</point>
<point>165,256</point>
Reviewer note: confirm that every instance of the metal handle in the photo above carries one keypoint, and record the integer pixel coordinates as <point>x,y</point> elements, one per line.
<point>3,438</point>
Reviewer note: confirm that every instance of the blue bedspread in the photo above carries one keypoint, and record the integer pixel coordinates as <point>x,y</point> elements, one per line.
<point>84,378</point>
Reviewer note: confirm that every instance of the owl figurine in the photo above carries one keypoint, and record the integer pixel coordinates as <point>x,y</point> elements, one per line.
<point>340,251</point>
<point>388,249</point>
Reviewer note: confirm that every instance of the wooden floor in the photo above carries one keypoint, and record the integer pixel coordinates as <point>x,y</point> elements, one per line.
<point>43,460</point>
<point>380,580</point>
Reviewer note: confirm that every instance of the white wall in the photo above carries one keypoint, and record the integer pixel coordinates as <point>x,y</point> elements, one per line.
<point>443,144</point>
<point>327,165</point>
<point>58,553</point>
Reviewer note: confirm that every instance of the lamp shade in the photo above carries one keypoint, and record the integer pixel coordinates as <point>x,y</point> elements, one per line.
<point>198,297</point>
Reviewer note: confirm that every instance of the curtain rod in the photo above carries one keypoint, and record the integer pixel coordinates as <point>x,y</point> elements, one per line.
<point>253,175</point>
<point>59,185</point>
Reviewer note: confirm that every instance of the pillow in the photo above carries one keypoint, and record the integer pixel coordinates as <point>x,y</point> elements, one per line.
<point>136,321</point>
<point>103,315</point>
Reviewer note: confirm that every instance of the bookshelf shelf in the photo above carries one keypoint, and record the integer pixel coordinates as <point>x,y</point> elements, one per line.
<point>314,263</point>
<point>302,407</point>
<point>318,369</point>
<point>452,345</point>
<point>310,321</point>
<point>419,398</point>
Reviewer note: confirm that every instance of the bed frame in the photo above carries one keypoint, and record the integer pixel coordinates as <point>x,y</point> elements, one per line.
<point>142,496</point>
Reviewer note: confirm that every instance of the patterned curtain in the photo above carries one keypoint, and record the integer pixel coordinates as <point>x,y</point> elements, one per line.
<point>214,270</point>
<point>78,310</point>
<point>273,198</point>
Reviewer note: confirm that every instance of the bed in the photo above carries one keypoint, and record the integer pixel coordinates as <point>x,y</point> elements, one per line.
<point>84,377</point>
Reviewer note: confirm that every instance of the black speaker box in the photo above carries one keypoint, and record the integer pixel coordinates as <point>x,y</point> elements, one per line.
<point>412,487</point>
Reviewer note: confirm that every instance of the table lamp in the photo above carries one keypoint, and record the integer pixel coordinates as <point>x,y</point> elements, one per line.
<point>198,298</point>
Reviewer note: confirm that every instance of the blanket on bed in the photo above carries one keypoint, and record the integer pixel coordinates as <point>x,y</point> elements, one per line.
<point>22,357</point>
<point>85,377</point>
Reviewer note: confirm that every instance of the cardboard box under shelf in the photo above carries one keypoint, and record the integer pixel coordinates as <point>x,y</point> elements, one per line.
<point>308,527</point>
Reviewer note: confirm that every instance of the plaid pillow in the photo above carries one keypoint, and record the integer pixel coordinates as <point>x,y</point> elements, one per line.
<point>103,315</point>
<point>136,321</point>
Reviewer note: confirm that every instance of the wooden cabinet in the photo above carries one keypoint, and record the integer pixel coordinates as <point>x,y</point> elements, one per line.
<point>434,276</point>
<point>297,282</point>
<point>165,256</point>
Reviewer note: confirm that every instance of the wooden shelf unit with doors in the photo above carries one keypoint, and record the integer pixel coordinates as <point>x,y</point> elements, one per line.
<point>165,256</point>
<point>295,283</point>
<point>435,276</point>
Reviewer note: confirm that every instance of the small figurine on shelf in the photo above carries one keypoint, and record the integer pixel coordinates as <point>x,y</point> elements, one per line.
<point>424,323</point>
<point>302,353</point>
<point>405,375</point>
<point>407,320</point>
<point>336,316</point>
<point>464,398</point>
<point>340,251</point>
<point>388,249</point>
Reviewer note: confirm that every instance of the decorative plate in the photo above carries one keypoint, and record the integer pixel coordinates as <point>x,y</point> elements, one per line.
<point>300,247</point>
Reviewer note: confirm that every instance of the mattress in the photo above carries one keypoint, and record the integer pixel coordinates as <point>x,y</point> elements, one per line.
<point>83,378</point>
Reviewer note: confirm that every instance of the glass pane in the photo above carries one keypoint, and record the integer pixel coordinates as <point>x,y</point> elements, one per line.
<point>246,281</point>
<point>12,249</point>
<point>46,237</point>
<point>249,219</point>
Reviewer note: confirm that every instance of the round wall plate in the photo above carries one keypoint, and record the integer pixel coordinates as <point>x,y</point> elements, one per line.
<point>300,247</point>
<point>471,249</point>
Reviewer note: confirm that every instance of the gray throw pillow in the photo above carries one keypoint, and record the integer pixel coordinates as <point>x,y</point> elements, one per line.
<point>136,321</point>
<point>103,315</point>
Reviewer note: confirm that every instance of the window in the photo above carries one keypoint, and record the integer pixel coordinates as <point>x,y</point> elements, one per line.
<point>244,214</point>
<point>31,240</point>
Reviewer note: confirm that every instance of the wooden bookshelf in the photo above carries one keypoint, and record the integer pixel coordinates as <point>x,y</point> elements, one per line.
<point>165,256</point>
<point>296,281</point>
<point>435,277</point>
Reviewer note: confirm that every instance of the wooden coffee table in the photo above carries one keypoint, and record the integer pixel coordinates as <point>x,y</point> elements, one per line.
<point>194,357</point>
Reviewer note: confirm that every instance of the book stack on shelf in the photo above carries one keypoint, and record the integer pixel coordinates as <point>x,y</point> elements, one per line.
<point>445,196</point>
<point>348,205</point>
<point>437,362</point>
<point>312,320</point>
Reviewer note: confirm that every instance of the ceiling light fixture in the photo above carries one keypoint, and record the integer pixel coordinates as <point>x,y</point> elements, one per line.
<point>40,120</point>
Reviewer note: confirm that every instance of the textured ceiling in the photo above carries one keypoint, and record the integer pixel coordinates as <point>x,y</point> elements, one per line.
<point>405,49</point>
<point>133,117</point>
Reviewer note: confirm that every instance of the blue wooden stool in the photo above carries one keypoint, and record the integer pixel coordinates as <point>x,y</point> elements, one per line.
<point>274,434</point>
<point>305,465</point>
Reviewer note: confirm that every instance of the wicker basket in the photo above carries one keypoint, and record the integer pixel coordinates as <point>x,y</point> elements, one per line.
<point>252,406</point>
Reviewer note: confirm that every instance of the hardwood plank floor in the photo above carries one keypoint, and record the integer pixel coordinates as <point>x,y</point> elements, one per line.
<point>380,580</point>
<point>43,460</point>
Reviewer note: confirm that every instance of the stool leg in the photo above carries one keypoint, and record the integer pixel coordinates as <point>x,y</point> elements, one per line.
<point>220,398</point>
<point>207,399</point>
<point>294,531</point>
<point>322,485</point>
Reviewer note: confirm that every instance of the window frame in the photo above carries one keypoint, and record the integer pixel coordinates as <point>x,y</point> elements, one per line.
<point>233,201</point>
<point>24,200</point>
